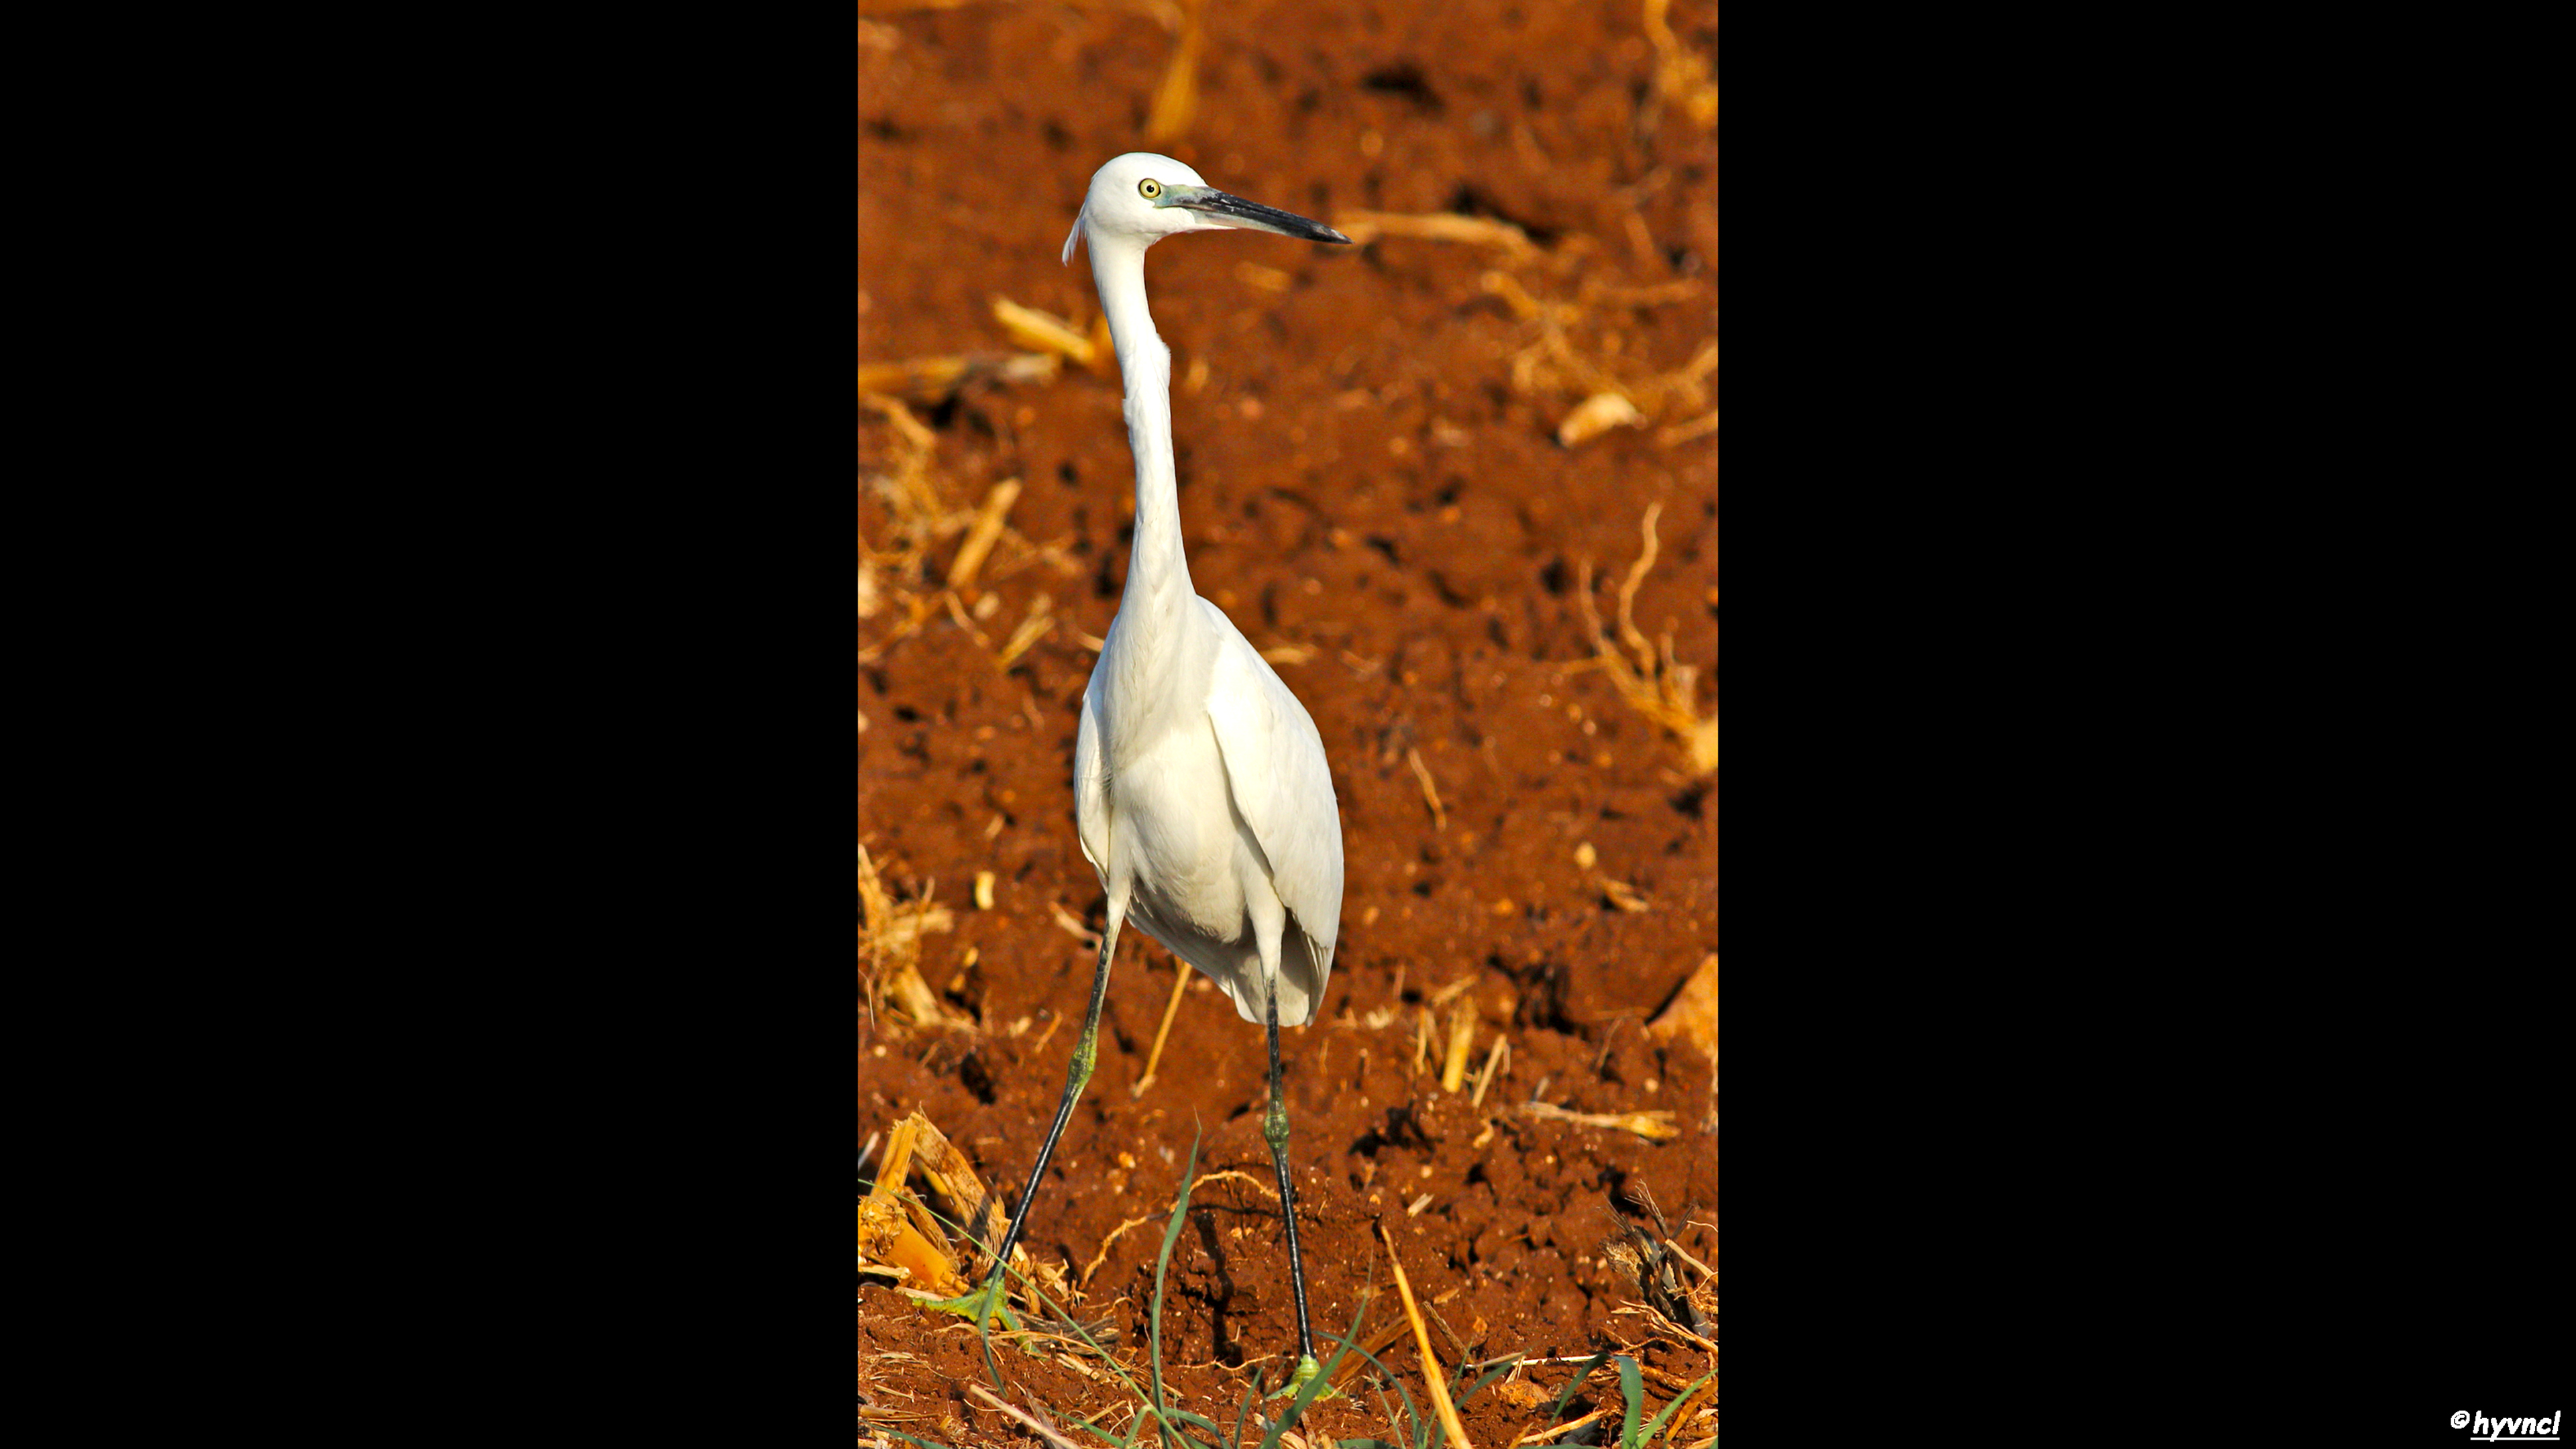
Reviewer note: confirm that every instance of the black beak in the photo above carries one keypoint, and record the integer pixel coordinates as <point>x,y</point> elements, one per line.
<point>1228,209</point>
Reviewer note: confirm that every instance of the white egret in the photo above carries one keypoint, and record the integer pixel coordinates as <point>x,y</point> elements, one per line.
<point>1201,795</point>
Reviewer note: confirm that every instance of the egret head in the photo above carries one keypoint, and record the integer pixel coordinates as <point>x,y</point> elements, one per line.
<point>1142,198</point>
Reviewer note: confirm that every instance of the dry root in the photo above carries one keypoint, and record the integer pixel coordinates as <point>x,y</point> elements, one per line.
<point>933,379</point>
<point>1681,73</point>
<point>1655,684</point>
<point>896,1229</point>
<point>1176,100</point>
<point>1363,227</point>
<point>1650,1261</point>
<point>922,518</point>
<point>890,935</point>
<point>1654,1126</point>
<point>899,1230</point>
<point>1614,391</point>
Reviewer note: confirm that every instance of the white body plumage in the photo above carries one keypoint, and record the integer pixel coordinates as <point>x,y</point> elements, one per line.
<point>1201,792</point>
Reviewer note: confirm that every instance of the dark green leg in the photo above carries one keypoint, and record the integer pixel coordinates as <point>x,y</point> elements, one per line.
<point>1275,1128</point>
<point>987,1301</point>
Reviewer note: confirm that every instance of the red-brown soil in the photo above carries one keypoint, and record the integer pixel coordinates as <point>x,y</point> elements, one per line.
<point>1371,481</point>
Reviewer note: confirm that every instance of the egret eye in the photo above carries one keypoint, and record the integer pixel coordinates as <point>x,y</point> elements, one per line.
<point>1149,188</point>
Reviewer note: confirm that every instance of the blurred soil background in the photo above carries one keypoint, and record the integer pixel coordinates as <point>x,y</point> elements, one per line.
<point>1459,482</point>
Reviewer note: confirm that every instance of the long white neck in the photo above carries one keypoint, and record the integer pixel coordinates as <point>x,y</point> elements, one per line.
<point>1158,574</point>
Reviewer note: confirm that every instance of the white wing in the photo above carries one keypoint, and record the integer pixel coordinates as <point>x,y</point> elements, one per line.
<point>1274,764</point>
<point>1090,778</point>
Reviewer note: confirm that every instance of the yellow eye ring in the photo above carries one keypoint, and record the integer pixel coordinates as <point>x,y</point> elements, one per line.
<point>1149,188</point>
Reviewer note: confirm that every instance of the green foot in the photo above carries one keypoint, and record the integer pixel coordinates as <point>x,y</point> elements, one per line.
<point>982,1305</point>
<point>1307,1368</point>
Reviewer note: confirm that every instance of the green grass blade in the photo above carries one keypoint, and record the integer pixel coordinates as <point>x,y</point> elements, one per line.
<point>1297,1406</point>
<point>1253,1391</point>
<point>1632,1388</point>
<point>1323,1380</point>
<point>1062,1314</point>
<point>1585,1372</point>
<point>1388,1373</point>
<point>1108,1360</point>
<point>1679,1399</point>
<point>1487,1379</point>
<point>1162,1416</point>
<point>1162,1266</point>
<point>1367,1286</point>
